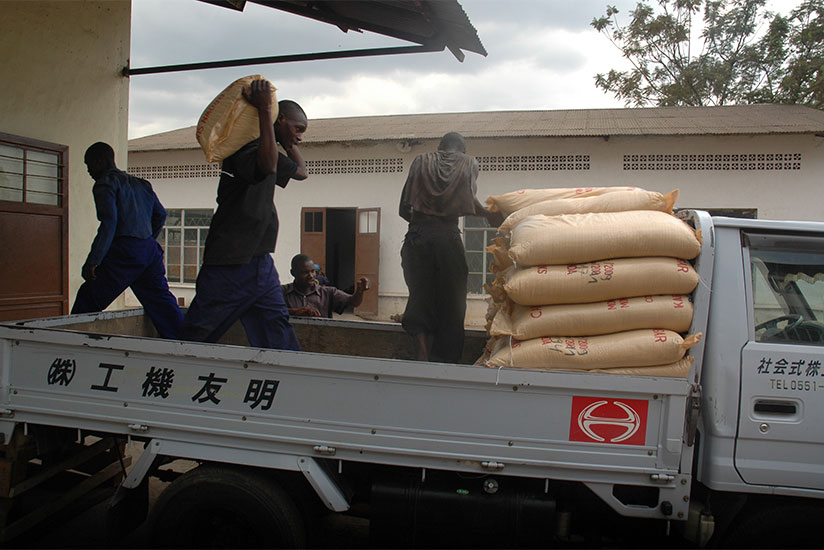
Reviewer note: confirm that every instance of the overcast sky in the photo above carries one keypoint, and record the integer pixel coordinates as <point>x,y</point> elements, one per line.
<point>542,54</point>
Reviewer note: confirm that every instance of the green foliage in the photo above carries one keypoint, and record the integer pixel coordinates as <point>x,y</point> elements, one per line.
<point>747,54</point>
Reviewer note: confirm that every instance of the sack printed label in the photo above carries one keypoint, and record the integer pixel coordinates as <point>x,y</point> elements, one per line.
<point>606,420</point>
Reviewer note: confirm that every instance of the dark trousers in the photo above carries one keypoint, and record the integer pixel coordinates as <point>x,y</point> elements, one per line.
<point>135,263</point>
<point>435,270</point>
<point>249,292</point>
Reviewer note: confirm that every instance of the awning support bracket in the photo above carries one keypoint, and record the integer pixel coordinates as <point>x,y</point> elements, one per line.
<point>127,71</point>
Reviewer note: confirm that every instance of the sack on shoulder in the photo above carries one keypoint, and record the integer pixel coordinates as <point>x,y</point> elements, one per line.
<point>230,122</point>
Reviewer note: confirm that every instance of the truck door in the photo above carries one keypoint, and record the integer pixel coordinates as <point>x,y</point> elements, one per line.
<point>780,438</point>
<point>367,257</point>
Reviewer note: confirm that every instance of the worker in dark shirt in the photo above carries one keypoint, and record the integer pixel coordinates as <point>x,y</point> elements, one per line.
<point>125,252</point>
<point>238,279</point>
<point>305,297</point>
<point>440,188</point>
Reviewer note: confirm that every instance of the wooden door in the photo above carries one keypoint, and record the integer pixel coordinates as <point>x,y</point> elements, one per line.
<point>367,257</point>
<point>312,236</point>
<point>34,255</point>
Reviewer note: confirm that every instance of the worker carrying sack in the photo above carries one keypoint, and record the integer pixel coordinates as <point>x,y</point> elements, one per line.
<point>673,312</point>
<point>575,238</point>
<point>618,201</point>
<point>508,203</point>
<point>595,281</point>
<point>230,122</point>
<point>634,348</point>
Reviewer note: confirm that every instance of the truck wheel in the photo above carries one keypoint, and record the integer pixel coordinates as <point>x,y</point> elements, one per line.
<point>781,526</point>
<point>219,506</point>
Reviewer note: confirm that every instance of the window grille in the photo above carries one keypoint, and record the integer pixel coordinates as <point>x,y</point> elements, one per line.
<point>713,161</point>
<point>32,174</point>
<point>477,236</point>
<point>533,163</point>
<point>183,238</point>
<point>355,166</point>
<point>176,171</point>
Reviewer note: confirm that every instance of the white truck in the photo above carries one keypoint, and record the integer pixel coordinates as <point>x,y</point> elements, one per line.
<point>455,454</point>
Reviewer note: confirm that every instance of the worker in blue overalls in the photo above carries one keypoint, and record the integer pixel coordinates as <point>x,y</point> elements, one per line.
<point>125,252</point>
<point>238,279</point>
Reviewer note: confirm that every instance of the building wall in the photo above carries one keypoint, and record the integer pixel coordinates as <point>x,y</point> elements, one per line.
<point>60,81</point>
<point>373,175</point>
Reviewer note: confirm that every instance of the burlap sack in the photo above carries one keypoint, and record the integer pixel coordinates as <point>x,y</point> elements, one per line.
<point>634,348</point>
<point>679,369</point>
<point>595,281</point>
<point>492,308</point>
<point>496,290</point>
<point>230,122</point>
<point>500,254</point>
<point>508,203</point>
<point>619,201</point>
<point>672,312</point>
<point>575,238</point>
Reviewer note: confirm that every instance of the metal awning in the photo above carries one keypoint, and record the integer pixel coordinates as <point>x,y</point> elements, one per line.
<point>434,25</point>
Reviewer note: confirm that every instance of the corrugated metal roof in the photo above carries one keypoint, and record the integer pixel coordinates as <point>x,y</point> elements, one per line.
<point>440,23</point>
<point>433,24</point>
<point>661,121</point>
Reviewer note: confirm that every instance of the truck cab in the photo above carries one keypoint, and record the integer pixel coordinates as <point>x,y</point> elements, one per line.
<point>761,440</point>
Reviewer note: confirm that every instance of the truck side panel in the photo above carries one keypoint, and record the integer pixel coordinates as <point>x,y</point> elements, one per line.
<point>455,417</point>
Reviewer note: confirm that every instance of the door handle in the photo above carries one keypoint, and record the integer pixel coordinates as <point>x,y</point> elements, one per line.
<point>775,407</point>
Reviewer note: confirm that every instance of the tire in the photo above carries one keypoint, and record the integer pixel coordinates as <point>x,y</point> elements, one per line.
<point>220,506</point>
<point>766,525</point>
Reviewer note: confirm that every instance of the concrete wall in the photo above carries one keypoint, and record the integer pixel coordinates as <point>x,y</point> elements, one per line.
<point>60,82</point>
<point>581,162</point>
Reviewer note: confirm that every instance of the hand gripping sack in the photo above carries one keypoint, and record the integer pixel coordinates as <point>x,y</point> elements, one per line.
<point>618,201</point>
<point>672,312</point>
<point>633,348</point>
<point>508,203</point>
<point>230,122</point>
<point>499,249</point>
<point>595,281</point>
<point>574,238</point>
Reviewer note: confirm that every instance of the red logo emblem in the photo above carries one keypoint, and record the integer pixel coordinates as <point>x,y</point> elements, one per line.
<point>603,420</point>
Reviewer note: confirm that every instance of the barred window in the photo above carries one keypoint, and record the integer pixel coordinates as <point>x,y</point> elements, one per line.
<point>477,236</point>
<point>183,238</point>
<point>33,174</point>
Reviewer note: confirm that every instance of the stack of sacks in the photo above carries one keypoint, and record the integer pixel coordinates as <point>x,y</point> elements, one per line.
<point>594,279</point>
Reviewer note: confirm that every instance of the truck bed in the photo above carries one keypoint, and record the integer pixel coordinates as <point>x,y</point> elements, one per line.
<point>102,373</point>
<point>355,395</point>
<point>339,336</point>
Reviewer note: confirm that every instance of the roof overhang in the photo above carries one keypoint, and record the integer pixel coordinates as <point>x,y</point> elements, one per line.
<point>433,25</point>
<point>769,120</point>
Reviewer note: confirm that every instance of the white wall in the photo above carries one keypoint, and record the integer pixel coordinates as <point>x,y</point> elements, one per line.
<point>776,194</point>
<point>60,81</point>
<point>783,194</point>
